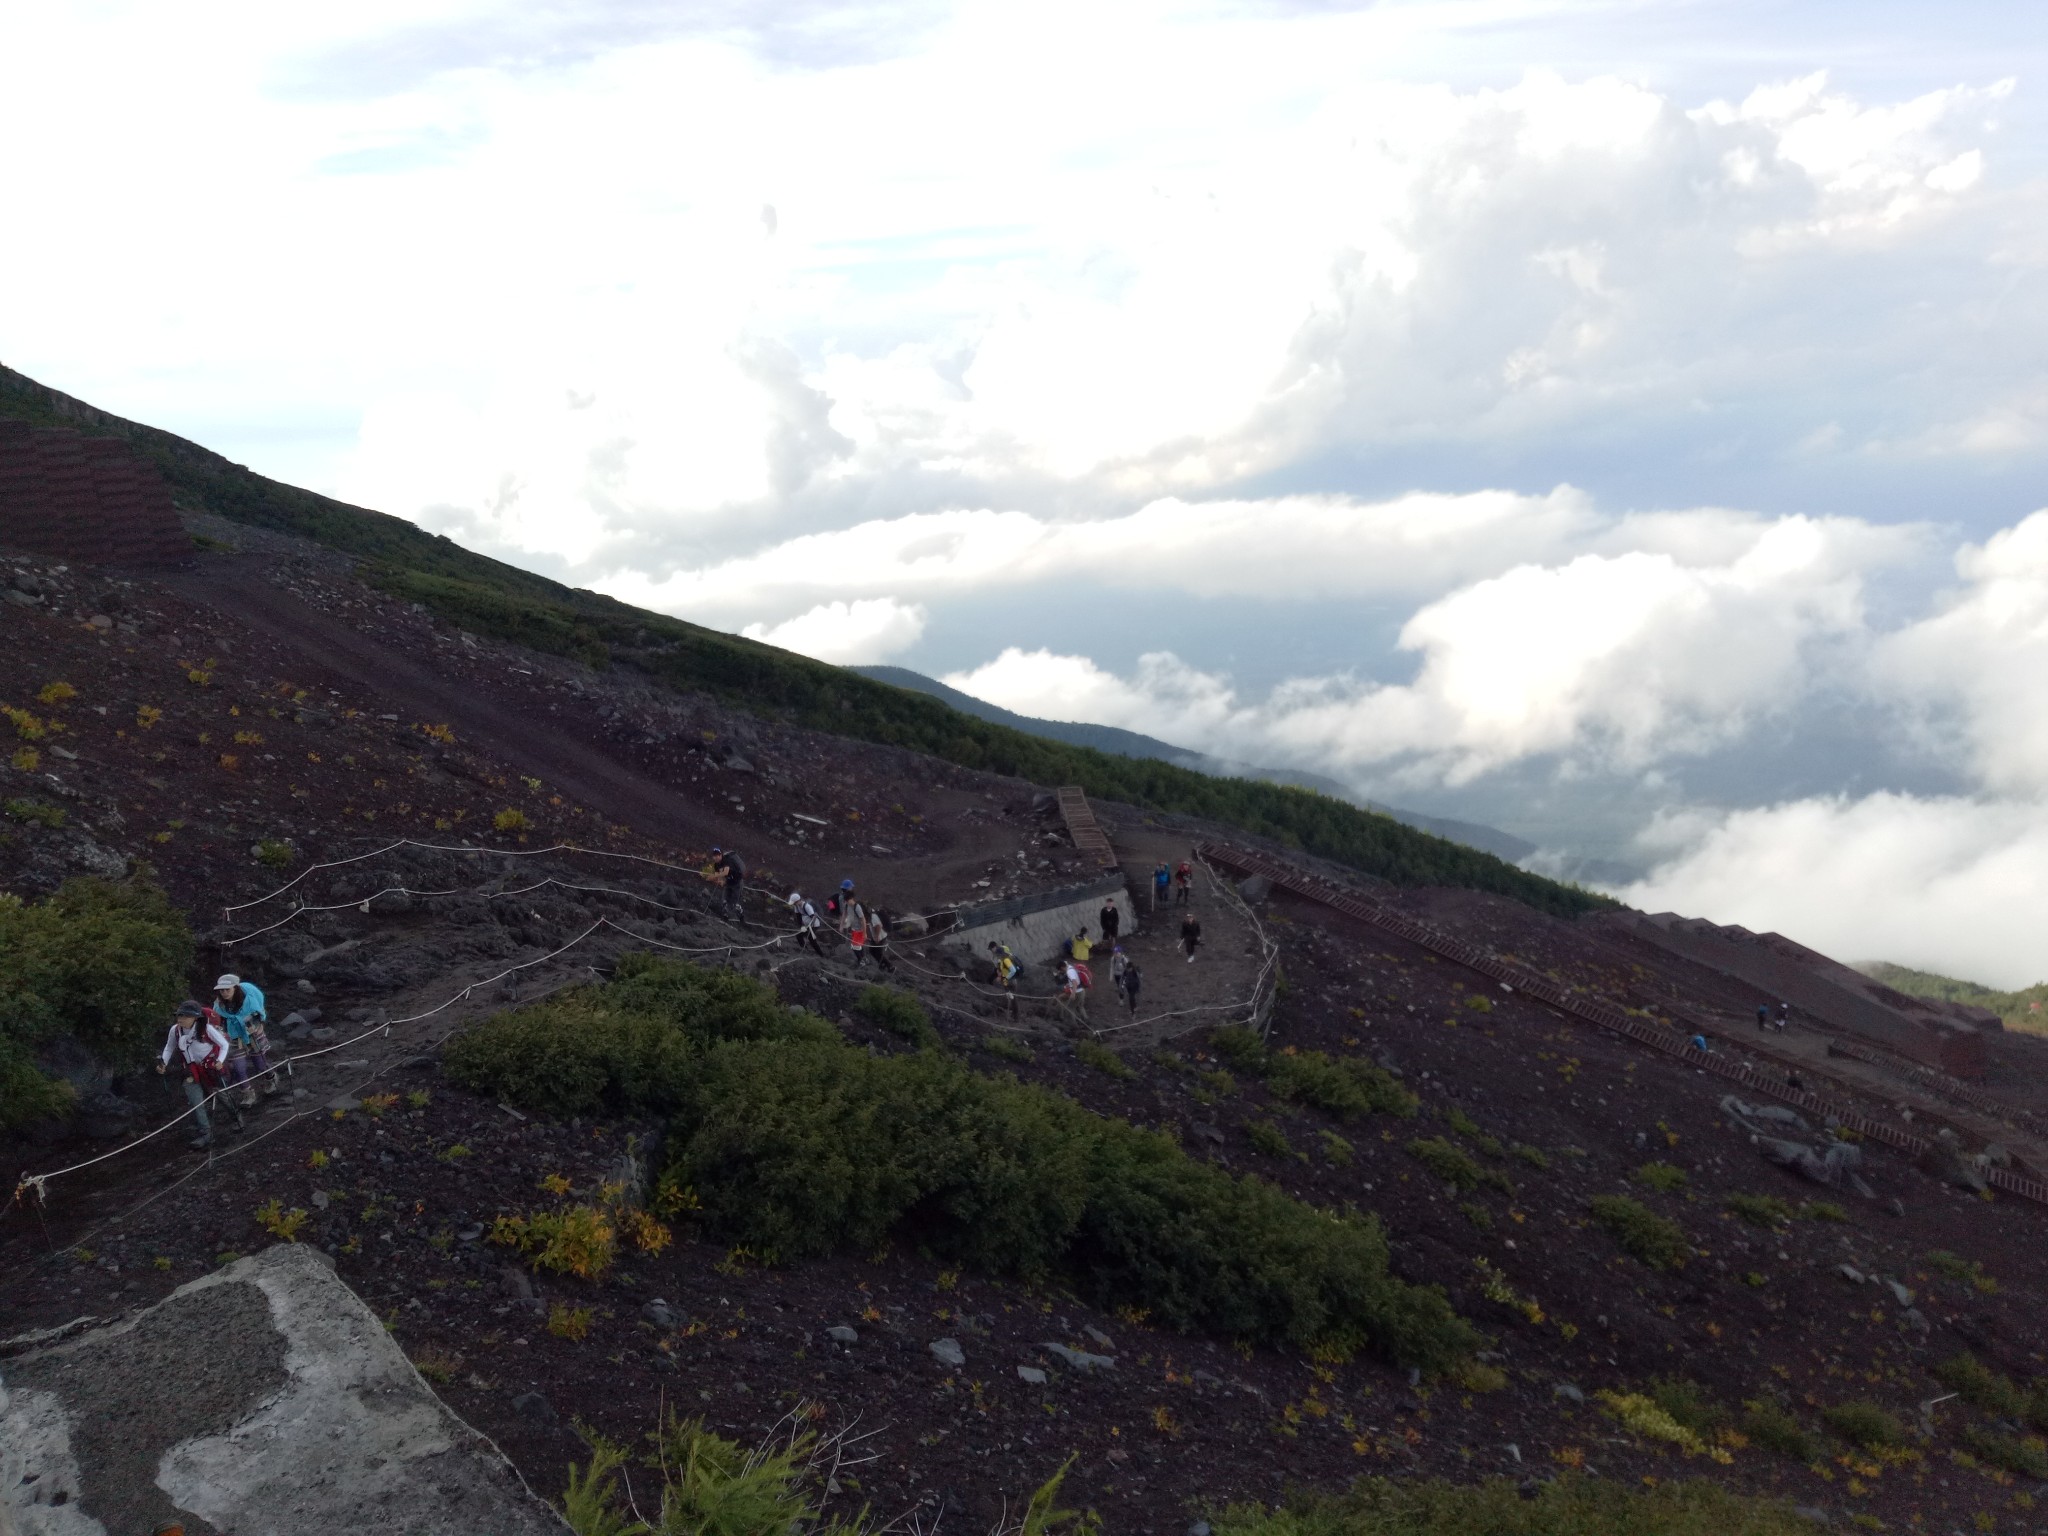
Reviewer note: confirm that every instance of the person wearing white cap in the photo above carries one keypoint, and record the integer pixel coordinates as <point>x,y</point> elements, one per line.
<point>240,1006</point>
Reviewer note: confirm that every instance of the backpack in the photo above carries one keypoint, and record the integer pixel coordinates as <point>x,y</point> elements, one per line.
<point>1082,971</point>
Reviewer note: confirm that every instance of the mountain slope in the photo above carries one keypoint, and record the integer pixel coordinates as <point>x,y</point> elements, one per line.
<point>492,598</point>
<point>1111,738</point>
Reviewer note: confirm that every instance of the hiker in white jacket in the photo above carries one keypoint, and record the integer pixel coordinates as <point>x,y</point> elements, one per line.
<point>201,1046</point>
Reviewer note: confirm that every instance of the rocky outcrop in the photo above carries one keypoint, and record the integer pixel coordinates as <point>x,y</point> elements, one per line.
<point>266,1398</point>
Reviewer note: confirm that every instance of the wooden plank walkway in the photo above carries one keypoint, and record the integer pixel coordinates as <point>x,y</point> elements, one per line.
<point>1580,1005</point>
<point>1085,830</point>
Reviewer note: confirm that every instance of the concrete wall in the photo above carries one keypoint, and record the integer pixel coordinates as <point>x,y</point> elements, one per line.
<point>1780,969</point>
<point>1036,926</point>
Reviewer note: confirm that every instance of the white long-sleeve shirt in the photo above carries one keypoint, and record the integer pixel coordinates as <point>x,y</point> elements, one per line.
<point>200,1043</point>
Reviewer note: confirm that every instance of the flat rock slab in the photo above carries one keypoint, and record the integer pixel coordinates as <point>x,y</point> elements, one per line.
<point>264,1400</point>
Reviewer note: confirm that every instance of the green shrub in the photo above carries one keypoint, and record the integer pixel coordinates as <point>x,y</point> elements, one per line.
<point>1219,1083</point>
<point>1766,1211</point>
<point>1664,1177</point>
<point>1451,1166</point>
<point>1337,1152</point>
<point>102,960</point>
<point>2028,1457</point>
<point>1006,1049</point>
<point>1102,1059</point>
<point>1573,1505</point>
<point>1533,1156</point>
<point>799,1143</point>
<point>1864,1424</point>
<point>1823,1210</point>
<point>1771,1427</point>
<point>1478,1215</point>
<point>1640,1231</point>
<point>1268,1138</point>
<point>1687,1404</point>
<point>898,1012</point>
<point>275,853</point>
<point>1982,1387</point>
<point>1342,1086</point>
<point>1968,1271</point>
<point>1240,1047</point>
<point>38,813</point>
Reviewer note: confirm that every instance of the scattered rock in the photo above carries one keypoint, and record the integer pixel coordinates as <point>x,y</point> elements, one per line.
<point>320,1036</point>
<point>346,1102</point>
<point>1814,1513</point>
<point>321,1199</point>
<point>843,1334</point>
<point>1207,1132</point>
<point>1917,1319</point>
<point>470,1234</point>
<point>1850,1273</point>
<point>1569,1393</point>
<point>1903,1293</point>
<point>659,1313</point>
<point>1099,1336</point>
<point>948,1352</point>
<point>1079,1359</point>
<point>1896,1206</point>
<point>1942,1161</point>
<point>1031,1374</point>
<point>531,1405</point>
<point>1255,888</point>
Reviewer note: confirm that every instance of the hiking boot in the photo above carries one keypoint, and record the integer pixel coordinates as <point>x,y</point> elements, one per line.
<point>203,1139</point>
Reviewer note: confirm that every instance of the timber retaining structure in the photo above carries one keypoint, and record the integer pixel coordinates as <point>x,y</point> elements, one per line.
<point>1590,1010</point>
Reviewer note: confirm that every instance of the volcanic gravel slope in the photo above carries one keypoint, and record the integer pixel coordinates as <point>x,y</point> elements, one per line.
<point>355,699</point>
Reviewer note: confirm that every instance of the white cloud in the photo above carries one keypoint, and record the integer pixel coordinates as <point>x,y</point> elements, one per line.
<point>1618,661</point>
<point>1947,884</point>
<point>872,629</point>
<point>1978,669</point>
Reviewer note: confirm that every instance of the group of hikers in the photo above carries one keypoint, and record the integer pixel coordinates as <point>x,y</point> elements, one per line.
<point>220,1047</point>
<point>864,928</point>
<point>1765,1020</point>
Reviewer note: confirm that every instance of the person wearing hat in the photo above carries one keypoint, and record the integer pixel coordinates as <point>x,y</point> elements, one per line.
<point>197,1042</point>
<point>847,906</point>
<point>807,921</point>
<point>239,1006</point>
<point>1006,972</point>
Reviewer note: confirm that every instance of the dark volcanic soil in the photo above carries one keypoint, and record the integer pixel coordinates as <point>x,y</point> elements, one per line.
<point>353,699</point>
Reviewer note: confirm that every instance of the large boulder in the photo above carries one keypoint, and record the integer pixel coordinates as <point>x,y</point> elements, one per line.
<point>262,1398</point>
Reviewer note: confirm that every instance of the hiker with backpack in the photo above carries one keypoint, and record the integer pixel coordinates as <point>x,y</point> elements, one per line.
<point>1183,883</point>
<point>878,942</point>
<point>726,861</point>
<point>1119,963</point>
<point>1162,881</point>
<point>807,922</point>
<point>1133,979</point>
<point>1190,935</point>
<point>201,1049</point>
<point>1006,973</point>
<point>1074,984</point>
<point>238,1005</point>
<point>847,906</point>
<point>1111,920</point>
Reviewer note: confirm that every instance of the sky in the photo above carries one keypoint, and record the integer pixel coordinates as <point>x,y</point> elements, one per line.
<point>1624,422</point>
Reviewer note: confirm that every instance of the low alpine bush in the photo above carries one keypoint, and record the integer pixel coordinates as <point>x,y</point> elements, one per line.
<point>1640,1230</point>
<point>798,1143</point>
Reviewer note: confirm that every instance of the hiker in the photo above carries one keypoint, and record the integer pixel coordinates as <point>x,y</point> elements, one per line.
<point>878,941</point>
<point>238,1005</point>
<point>1074,980</point>
<point>1183,883</point>
<point>808,922</point>
<point>1162,880</point>
<point>1191,935</point>
<point>1006,973</point>
<point>1784,1016</point>
<point>196,1040</point>
<point>726,861</point>
<point>847,905</point>
<point>1763,1017</point>
<point>1699,1043</point>
<point>1112,920</point>
<point>1119,963</point>
<point>1795,1082</point>
<point>1132,981</point>
<point>1078,948</point>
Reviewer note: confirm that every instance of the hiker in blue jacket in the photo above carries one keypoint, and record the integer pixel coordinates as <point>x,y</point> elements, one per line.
<point>239,1005</point>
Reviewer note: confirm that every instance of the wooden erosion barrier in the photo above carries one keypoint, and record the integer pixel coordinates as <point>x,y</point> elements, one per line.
<point>1579,1005</point>
<point>1084,829</point>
